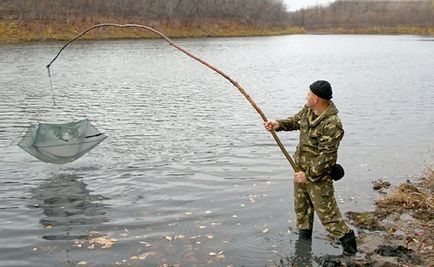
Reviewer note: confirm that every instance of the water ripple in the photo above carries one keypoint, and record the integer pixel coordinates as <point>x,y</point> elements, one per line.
<point>186,156</point>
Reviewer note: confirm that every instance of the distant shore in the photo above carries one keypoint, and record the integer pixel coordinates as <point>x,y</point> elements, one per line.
<point>18,31</point>
<point>15,31</point>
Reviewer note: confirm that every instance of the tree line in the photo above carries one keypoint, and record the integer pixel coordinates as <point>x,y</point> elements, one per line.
<point>243,11</point>
<point>366,13</point>
<point>342,13</point>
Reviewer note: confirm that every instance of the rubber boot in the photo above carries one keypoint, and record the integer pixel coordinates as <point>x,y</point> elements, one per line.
<point>305,234</point>
<point>349,244</point>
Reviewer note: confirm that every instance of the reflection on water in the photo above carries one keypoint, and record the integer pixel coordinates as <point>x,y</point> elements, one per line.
<point>66,204</point>
<point>303,253</point>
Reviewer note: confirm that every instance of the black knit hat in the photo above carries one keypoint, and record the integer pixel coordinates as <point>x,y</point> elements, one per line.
<point>322,89</point>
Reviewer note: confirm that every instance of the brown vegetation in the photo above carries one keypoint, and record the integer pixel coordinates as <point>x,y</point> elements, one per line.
<point>405,220</point>
<point>417,198</point>
<point>61,19</point>
<point>25,20</point>
<point>37,30</point>
<point>243,11</point>
<point>353,15</point>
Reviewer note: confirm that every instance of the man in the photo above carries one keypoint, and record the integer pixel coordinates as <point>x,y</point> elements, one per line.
<point>320,134</point>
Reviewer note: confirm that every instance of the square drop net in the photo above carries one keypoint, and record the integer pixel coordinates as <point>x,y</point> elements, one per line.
<point>61,143</point>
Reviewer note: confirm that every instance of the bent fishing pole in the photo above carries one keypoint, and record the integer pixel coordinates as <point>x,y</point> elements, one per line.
<point>235,83</point>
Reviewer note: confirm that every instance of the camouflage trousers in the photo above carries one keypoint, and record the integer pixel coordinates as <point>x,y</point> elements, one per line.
<point>318,196</point>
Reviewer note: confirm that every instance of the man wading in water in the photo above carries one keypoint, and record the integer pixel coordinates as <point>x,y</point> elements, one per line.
<point>320,134</point>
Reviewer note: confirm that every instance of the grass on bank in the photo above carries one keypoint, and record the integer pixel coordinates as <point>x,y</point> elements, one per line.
<point>41,31</point>
<point>415,233</point>
<point>13,31</point>
<point>417,198</point>
<point>410,30</point>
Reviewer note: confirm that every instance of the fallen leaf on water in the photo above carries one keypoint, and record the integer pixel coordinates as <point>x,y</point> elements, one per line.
<point>143,256</point>
<point>104,241</point>
<point>94,233</point>
<point>145,243</point>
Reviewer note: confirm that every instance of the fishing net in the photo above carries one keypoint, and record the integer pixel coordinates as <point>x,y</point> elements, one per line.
<point>61,143</point>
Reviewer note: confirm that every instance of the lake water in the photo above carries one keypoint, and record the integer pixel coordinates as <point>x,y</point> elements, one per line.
<point>187,157</point>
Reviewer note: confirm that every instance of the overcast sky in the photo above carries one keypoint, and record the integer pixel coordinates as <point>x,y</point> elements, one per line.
<point>299,4</point>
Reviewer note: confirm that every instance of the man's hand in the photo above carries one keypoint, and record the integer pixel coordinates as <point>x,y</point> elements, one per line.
<point>271,125</point>
<point>300,177</point>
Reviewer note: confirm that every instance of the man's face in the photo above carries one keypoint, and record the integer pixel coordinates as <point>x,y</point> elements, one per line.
<point>311,99</point>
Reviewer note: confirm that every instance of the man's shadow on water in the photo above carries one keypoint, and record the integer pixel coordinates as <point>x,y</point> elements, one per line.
<point>68,207</point>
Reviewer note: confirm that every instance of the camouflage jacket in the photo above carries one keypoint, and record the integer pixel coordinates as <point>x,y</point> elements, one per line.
<point>320,136</point>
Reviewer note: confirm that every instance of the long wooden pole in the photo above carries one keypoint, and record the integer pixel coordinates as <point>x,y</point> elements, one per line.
<point>236,84</point>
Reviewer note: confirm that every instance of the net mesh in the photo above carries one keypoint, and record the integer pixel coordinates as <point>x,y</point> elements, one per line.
<point>61,143</point>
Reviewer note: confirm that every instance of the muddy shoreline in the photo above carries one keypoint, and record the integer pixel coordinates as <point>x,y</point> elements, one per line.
<point>400,231</point>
